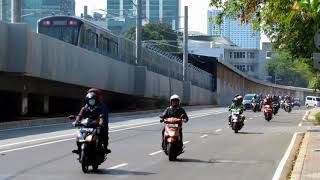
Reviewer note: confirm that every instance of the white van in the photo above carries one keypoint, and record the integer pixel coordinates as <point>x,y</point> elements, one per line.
<point>312,101</point>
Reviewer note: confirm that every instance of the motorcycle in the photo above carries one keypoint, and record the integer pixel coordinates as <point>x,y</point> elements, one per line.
<point>236,122</point>
<point>282,104</point>
<point>90,148</point>
<point>287,107</point>
<point>275,108</point>
<point>172,144</point>
<point>255,106</point>
<point>267,112</point>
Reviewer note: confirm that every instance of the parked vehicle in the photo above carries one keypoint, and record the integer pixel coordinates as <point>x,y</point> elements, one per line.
<point>312,101</point>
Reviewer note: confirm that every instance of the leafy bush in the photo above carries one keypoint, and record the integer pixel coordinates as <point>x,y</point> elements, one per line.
<point>318,118</point>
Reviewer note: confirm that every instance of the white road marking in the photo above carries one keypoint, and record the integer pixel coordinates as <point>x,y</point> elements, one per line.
<point>280,167</point>
<point>34,140</point>
<point>186,142</point>
<point>250,118</point>
<point>203,136</point>
<point>37,145</point>
<point>154,153</point>
<point>300,124</point>
<point>73,134</point>
<point>218,130</point>
<point>118,166</point>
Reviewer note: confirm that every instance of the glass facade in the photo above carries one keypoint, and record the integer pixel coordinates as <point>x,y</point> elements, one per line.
<point>33,10</point>
<point>152,11</point>
<point>241,34</point>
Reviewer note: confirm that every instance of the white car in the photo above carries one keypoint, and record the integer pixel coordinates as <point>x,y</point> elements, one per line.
<point>312,101</point>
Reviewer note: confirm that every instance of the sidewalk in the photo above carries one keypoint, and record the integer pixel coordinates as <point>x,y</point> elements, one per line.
<point>307,164</point>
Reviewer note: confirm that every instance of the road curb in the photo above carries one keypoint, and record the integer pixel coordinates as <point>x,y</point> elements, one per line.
<point>62,120</point>
<point>306,116</point>
<point>298,166</point>
<point>286,164</point>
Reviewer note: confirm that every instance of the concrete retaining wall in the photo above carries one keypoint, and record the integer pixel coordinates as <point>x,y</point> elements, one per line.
<point>39,56</point>
<point>231,81</point>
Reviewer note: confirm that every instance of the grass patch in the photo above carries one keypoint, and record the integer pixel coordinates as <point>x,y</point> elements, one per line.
<point>317,118</point>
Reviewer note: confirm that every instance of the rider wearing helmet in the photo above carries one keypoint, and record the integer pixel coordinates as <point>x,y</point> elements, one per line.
<point>268,101</point>
<point>105,110</point>
<point>93,109</point>
<point>236,104</point>
<point>174,111</point>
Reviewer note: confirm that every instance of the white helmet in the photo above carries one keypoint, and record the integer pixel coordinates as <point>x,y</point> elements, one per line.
<point>175,97</point>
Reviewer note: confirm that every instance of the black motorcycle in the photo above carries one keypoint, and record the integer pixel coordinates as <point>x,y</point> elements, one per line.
<point>275,108</point>
<point>287,107</point>
<point>90,148</point>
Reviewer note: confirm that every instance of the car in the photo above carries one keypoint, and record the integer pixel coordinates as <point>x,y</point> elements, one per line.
<point>312,101</point>
<point>247,100</point>
<point>296,102</point>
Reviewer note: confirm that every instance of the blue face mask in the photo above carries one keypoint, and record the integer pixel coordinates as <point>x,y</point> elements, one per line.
<point>92,102</point>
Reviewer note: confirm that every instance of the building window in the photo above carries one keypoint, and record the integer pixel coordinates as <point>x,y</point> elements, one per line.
<point>230,55</point>
<point>251,68</point>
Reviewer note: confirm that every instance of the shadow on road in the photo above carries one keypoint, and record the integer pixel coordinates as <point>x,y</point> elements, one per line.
<point>121,172</point>
<point>193,161</point>
<point>250,133</point>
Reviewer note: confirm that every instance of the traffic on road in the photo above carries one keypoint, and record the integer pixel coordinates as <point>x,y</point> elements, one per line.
<point>141,147</point>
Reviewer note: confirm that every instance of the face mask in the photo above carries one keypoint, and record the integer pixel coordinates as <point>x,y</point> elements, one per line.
<point>92,102</point>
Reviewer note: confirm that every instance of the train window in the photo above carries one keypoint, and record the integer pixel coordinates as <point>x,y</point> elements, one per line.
<point>105,44</point>
<point>64,33</point>
<point>91,39</point>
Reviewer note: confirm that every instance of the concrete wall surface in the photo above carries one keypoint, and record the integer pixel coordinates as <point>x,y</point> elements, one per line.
<point>39,56</point>
<point>231,81</point>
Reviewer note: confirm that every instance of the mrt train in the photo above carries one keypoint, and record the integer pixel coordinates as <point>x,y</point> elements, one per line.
<point>80,32</point>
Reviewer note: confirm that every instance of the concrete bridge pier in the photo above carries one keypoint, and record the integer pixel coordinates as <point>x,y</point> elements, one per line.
<point>24,104</point>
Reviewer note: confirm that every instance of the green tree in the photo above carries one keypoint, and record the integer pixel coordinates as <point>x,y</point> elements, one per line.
<point>286,71</point>
<point>159,34</point>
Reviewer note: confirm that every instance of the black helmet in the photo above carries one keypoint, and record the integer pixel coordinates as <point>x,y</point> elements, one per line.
<point>91,99</point>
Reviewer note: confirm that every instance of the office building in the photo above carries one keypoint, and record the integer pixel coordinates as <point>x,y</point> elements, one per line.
<point>33,10</point>
<point>152,11</point>
<point>241,34</point>
<point>248,60</point>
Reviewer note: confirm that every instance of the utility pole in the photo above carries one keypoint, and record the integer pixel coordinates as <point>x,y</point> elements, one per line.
<point>85,12</point>
<point>138,32</point>
<point>15,11</point>
<point>4,10</point>
<point>185,45</point>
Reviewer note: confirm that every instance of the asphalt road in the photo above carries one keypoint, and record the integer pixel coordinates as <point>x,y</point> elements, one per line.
<point>212,150</point>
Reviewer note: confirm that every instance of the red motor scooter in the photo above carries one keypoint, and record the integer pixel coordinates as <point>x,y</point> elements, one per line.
<point>267,112</point>
<point>172,144</point>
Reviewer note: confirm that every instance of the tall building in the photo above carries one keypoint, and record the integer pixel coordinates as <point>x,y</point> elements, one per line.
<point>248,60</point>
<point>241,34</point>
<point>33,10</point>
<point>152,11</point>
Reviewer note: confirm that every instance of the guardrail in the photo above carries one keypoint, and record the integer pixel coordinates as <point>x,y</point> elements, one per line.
<point>159,61</point>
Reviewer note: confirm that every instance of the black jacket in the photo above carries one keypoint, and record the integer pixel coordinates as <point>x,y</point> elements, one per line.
<point>175,113</point>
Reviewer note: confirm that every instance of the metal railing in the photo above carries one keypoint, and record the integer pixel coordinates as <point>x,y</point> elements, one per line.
<point>159,61</point>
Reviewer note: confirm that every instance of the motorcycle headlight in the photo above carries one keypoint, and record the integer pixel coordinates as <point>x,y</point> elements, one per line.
<point>171,133</point>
